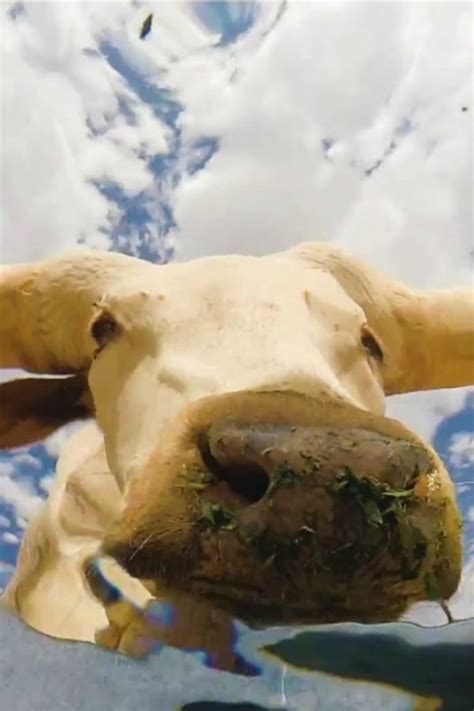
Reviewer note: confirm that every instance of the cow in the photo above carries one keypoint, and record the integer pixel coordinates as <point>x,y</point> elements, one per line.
<point>237,462</point>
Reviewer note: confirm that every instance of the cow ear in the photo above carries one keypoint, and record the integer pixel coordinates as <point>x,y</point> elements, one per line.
<point>33,408</point>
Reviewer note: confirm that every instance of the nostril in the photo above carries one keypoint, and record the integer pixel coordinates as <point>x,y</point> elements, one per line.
<point>247,480</point>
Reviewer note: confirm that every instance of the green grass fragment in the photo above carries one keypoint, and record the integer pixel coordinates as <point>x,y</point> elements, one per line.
<point>432,593</point>
<point>282,476</point>
<point>376,499</point>
<point>218,517</point>
<point>431,587</point>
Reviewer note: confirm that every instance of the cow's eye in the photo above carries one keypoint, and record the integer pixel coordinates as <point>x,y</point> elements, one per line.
<point>371,345</point>
<point>104,329</point>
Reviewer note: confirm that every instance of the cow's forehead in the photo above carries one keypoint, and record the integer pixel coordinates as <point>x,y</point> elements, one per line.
<point>218,286</point>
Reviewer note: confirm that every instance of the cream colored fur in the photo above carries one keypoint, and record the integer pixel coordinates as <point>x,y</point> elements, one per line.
<point>289,321</point>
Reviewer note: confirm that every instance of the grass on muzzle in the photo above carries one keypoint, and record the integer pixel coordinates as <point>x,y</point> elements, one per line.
<point>432,593</point>
<point>282,476</point>
<point>385,507</point>
<point>217,516</point>
<point>382,505</point>
<point>376,499</point>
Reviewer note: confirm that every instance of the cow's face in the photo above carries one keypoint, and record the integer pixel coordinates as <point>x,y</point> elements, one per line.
<point>226,325</point>
<point>241,401</point>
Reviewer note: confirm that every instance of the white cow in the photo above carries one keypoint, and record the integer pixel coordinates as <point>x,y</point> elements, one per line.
<point>241,463</point>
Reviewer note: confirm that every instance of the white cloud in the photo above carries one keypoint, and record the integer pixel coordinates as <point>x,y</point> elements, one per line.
<point>46,483</point>
<point>54,443</point>
<point>364,74</point>
<point>6,470</point>
<point>6,570</point>
<point>64,127</point>
<point>4,521</point>
<point>8,537</point>
<point>18,493</point>
<point>461,449</point>
<point>26,459</point>
<point>424,411</point>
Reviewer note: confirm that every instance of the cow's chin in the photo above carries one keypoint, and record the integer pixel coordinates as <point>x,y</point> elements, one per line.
<point>277,509</point>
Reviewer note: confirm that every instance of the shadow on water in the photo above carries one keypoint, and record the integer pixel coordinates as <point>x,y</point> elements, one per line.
<point>424,665</point>
<point>220,706</point>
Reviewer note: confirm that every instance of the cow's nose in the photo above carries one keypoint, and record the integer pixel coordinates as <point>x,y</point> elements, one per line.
<point>349,492</point>
<point>281,493</point>
<point>250,463</point>
<point>270,497</point>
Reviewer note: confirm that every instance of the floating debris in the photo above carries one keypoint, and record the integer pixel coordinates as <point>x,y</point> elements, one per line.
<point>146,26</point>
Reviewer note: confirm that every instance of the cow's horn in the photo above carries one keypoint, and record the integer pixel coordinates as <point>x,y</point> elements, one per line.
<point>436,340</point>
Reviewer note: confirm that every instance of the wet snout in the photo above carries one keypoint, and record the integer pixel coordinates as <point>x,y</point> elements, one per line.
<point>280,508</point>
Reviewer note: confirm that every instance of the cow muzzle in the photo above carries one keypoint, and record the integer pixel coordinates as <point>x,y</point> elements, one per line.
<point>281,508</point>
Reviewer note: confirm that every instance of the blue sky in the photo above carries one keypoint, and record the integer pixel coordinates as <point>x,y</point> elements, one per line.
<point>242,127</point>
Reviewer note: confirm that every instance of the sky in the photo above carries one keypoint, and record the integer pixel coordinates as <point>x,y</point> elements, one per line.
<point>243,127</point>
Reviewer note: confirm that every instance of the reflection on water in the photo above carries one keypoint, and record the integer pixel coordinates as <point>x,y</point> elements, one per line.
<point>394,667</point>
<point>400,660</point>
<point>219,706</point>
<point>427,663</point>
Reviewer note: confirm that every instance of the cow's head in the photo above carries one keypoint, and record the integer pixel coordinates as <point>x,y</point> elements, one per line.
<point>241,401</point>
